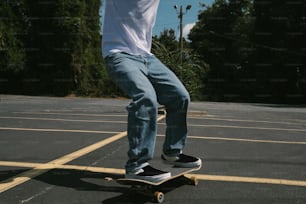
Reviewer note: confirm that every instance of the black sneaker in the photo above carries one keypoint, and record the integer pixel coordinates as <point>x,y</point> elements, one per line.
<point>149,173</point>
<point>182,160</point>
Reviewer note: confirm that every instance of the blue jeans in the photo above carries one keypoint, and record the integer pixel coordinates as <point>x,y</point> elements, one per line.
<point>149,82</point>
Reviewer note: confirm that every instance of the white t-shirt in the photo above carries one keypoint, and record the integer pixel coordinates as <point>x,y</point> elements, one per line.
<point>128,26</point>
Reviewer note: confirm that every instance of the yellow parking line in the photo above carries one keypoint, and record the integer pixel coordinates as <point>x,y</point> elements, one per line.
<point>93,169</point>
<point>19,164</point>
<point>41,168</point>
<point>285,182</point>
<point>69,157</point>
<point>72,114</point>
<point>243,140</point>
<point>248,140</point>
<point>21,178</point>
<point>249,121</point>
<point>250,127</point>
<point>64,120</point>
<point>58,130</point>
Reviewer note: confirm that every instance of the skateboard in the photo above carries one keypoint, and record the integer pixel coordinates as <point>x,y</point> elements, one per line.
<point>153,189</point>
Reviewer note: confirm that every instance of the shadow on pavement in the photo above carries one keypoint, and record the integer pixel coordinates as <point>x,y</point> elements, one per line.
<point>6,175</point>
<point>94,181</point>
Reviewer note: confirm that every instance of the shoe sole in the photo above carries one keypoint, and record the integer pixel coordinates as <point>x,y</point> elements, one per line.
<point>183,165</point>
<point>156,178</point>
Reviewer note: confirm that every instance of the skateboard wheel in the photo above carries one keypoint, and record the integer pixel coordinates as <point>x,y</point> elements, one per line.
<point>159,197</point>
<point>194,181</point>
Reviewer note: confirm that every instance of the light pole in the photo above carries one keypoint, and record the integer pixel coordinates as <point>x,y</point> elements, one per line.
<point>180,16</point>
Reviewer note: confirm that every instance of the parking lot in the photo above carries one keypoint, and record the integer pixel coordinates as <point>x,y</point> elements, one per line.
<point>60,150</point>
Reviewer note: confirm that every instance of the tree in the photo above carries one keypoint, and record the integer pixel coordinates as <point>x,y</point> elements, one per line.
<point>221,37</point>
<point>64,48</point>
<point>82,23</point>
<point>279,58</point>
<point>255,50</point>
<point>12,52</point>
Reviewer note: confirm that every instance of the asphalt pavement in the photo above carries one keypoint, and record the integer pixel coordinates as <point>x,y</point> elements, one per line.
<point>62,150</point>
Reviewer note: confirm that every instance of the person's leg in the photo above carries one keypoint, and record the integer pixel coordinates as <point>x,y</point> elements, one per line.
<point>172,93</point>
<point>130,73</point>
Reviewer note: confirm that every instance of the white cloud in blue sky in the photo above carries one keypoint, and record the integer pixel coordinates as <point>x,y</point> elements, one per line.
<point>186,29</point>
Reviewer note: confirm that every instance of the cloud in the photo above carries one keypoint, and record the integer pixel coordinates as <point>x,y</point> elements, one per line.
<point>186,29</point>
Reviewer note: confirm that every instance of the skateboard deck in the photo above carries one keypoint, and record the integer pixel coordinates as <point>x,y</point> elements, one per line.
<point>152,189</point>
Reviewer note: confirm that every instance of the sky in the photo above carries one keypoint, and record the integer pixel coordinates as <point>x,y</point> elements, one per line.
<point>167,16</point>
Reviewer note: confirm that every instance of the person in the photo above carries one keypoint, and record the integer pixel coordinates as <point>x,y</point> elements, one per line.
<point>126,48</point>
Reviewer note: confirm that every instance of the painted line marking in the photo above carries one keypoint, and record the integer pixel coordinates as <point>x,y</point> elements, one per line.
<point>248,140</point>
<point>250,127</point>
<point>71,114</point>
<point>191,114</point>
<point>196,113</point>
<point>58,130</point>
<point>43,192</point>
<point>191,137</point>
<point>248,121</point>
<point>65,120</point>
<point>19,164</point>
<point>230,118</point>
<point>243,140</point>
<point>72,156</point>
<point>190,125</point>
<point>284,182</point>
<point>62,166</point>
<point>45,167</point>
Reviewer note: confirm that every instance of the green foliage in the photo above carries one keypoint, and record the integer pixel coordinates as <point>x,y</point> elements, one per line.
<point>254,49</point>
<point>191,72</point>
<point>247,50</point>
<point>12,54</point>
<point>81,21</point>
<point>278,61</point>
<point>58,51</point>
